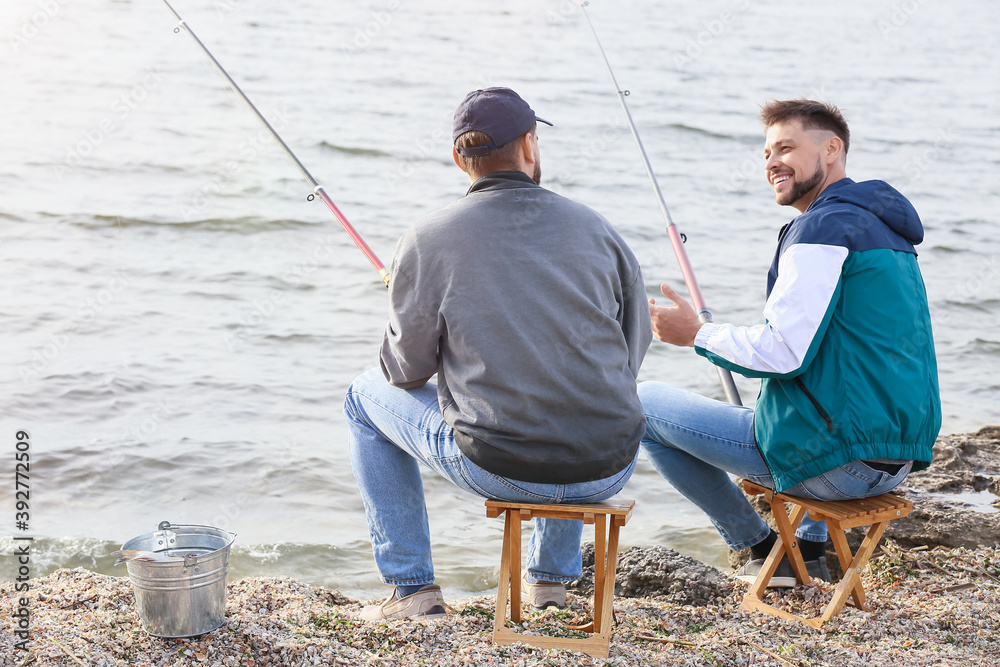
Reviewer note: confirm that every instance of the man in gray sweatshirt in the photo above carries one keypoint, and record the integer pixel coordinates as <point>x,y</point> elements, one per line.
<point>532,311</point>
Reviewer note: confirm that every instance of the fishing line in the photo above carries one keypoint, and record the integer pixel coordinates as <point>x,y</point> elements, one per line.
<point>676,238</point>
<point>317,189</point>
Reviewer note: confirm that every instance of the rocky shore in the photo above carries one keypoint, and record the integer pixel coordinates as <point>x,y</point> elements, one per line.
<point>933,586</point>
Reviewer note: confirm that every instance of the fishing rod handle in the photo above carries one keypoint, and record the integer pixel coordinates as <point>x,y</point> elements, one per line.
<point>729,386</point>
<point>725,377</point>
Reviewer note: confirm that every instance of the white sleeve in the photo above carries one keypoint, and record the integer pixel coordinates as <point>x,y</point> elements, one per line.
<point>796,314</point>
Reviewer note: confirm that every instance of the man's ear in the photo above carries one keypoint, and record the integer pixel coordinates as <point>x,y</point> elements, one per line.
<point>455,156</point>
<point>834,149</point>
<point>527,149</point>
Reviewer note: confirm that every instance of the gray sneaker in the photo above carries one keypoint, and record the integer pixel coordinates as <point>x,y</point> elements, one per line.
<point>544,594</point>
<point>784,576</point>
<point>427,602</point>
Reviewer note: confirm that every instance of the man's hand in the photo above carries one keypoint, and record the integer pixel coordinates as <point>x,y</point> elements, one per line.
<point>677,324</point>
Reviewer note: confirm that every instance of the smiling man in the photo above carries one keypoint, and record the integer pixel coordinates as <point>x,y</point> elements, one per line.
<point>849,400</point>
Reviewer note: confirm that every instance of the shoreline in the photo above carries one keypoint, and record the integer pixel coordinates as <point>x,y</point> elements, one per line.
<point>933,586</point>
<point>930,606</point>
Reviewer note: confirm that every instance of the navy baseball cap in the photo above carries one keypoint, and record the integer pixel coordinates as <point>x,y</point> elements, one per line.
<point>498,112</point>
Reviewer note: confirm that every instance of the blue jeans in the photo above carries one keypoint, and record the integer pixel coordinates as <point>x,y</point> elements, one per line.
<point>392,430</point>
<point>695,442</point>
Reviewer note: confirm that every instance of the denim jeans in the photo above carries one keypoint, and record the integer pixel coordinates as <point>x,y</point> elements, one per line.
<point>695,442</point>
<point>392,431</point>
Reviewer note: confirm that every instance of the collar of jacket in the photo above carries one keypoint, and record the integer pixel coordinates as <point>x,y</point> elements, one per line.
<point>828,192</point>
<point>502,180</point>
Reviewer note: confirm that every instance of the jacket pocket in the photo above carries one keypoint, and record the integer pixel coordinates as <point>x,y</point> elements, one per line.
<point>819,408</point>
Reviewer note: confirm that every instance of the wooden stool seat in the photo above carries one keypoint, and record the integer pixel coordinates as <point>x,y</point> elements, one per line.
<point>608,517</point>
<point>876,512</point>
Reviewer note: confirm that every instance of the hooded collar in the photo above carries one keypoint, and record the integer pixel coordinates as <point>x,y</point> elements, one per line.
<point>880,199</point>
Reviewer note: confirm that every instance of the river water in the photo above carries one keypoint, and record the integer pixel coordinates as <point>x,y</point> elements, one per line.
<point>179,325</point>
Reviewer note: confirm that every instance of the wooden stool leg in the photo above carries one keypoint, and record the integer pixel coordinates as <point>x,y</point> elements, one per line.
<point>786,530</point>
<point>852,575</point>
<point>766,572</point>
<point>604,620</point>
<point>515,566</point>
<point>503,588</point>
<point>845,557</point>
<point>600,567</point>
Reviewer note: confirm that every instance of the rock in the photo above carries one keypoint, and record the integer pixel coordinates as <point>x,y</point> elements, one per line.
<point>935,523</point>
<point>658,572</point>
<point>963,462</point>
<point>992,432</point>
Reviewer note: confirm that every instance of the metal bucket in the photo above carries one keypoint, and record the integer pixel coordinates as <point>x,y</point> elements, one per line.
<point>186,597</point>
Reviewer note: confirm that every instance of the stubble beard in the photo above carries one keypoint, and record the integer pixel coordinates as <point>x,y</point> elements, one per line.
<point>801,188</point>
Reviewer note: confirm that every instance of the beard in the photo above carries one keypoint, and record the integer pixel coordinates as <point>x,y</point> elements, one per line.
<point>801,188</point>
<point>536,175</point>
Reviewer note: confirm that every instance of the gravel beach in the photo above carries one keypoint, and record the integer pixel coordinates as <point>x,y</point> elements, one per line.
<point>931,607</point>
<point>933,586</point>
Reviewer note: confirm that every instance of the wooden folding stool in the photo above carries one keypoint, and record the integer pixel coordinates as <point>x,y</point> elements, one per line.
<point>876,512</point>
<point>608,517</point>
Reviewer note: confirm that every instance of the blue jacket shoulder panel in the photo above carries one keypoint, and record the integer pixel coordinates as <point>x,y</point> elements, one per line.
<point>871,215</point>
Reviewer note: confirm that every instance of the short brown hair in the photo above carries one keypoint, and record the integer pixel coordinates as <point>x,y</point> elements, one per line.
<point>814,116</point>
<point>498,159</point>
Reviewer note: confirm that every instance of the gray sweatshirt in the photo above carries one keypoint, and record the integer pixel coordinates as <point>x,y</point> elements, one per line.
<point>532,311</point>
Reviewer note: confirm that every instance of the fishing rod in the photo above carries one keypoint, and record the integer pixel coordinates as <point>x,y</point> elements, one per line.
<point>676,238</point>
<point>317,189</point>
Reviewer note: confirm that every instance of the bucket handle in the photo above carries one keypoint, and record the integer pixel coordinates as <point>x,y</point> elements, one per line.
<point>166,525</point>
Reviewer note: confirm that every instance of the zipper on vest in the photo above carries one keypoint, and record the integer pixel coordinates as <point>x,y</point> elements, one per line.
<point>819,408</point>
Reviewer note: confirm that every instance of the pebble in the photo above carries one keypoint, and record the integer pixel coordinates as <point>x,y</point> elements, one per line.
<point>920,617</point>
